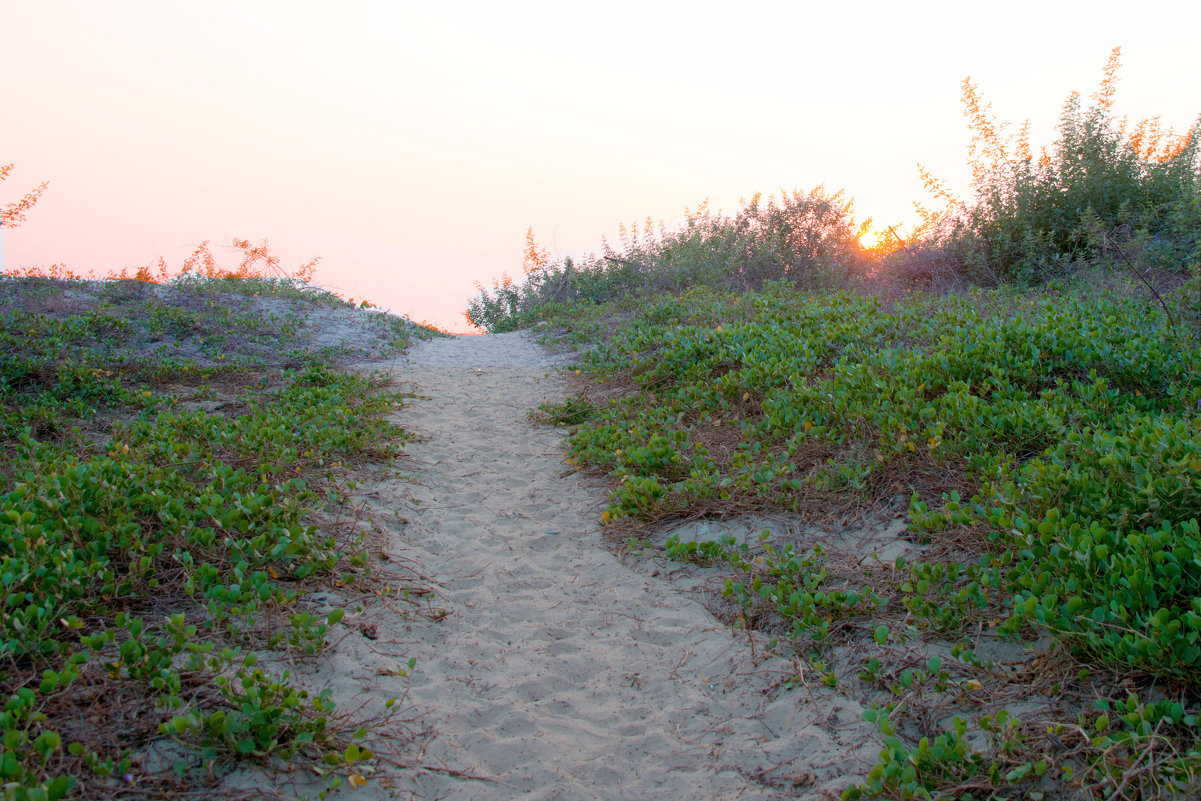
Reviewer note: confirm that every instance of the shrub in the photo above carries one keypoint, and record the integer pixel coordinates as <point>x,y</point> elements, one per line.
<point>805,238</point>
<point>1103,185</point>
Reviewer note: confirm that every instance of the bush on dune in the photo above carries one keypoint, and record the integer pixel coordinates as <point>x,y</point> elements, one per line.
<point>1106,192</point>
<point>807,238</point>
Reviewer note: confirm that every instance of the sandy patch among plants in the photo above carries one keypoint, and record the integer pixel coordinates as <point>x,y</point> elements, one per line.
<point>550,669</point>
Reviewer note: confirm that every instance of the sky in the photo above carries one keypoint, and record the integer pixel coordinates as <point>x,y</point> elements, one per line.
<point>411,145</point>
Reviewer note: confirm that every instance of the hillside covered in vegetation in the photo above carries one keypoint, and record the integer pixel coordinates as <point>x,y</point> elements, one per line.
<point>1018,381</point>
<point>176,458</point>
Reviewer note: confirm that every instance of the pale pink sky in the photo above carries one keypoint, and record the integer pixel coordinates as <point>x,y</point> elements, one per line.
<point>410,145</point>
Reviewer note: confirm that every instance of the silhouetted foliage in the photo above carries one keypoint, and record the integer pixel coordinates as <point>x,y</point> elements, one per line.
<point>806,238</point>
<point>1103,185</point>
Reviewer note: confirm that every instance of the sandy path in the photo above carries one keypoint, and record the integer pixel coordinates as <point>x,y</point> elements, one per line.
<point>561,673</point>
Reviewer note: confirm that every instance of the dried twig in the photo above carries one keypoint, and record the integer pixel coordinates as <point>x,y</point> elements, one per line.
<point>1143,278</point>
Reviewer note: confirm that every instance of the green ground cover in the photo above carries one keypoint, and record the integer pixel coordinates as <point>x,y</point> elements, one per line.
<point>1045,446</point>
<point>168,453</point>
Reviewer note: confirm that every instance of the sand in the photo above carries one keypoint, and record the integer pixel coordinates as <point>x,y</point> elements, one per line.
<point>555,671</point>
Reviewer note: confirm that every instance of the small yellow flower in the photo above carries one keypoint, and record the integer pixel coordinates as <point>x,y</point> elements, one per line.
<point>606,516</point>
<point>808,425</point>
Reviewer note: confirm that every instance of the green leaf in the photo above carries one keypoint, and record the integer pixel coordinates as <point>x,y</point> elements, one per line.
<point>59,786</point>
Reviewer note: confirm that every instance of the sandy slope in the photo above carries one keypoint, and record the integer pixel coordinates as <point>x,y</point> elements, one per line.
<point>560,673</point>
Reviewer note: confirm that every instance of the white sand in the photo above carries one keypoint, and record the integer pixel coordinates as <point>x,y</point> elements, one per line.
<point>560,673</point>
